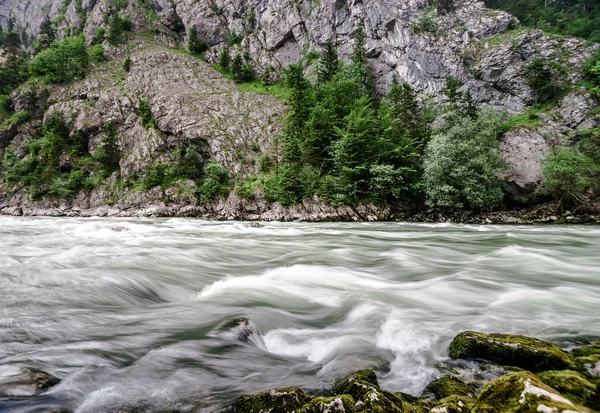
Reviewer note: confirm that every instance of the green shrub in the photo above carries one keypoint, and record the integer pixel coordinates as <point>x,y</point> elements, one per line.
<point>245,189</point>
<point>63,61</point>
<point>225,59</point>
<point>118,26</point>
<point>109,153</point>
<point>195,44</point>
<point>462,166</point>
<point>546,79</point>
<point>96,53</point>
<point>157,176</point>
<point>215,183</point>
<point>566,175</point>
<point>144,111</point>
<point>265,164</point>
<point>127,64</point>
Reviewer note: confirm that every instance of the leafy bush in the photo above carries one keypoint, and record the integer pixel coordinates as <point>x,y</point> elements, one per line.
<point>157,176</point>
<point>63,61</point>
<point>118,26</point>
<point>215,183</point>
<point>96,53</point>
<point>462,166</point>
<point>566,175</point>
<point>144,111</point>
<point>281,186</point>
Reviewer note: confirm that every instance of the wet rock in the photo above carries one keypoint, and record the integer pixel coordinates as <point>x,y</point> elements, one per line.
<point>283,400</point>
<point>335,404</point>
<point>447,386</point>
<point>376,402</point>
<point>254,225</point>
<point>453,404</point>
<point>588,358</point>
<point>366,377</point>
<point>242,330</point>
<point>24,382</point>
<point>570,384</point>
<point>119,229</point>
<point>412,404</point>
<point>510,350</point>
<point>522,392</point>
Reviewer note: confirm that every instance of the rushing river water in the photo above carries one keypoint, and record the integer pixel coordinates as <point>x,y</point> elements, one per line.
<point>135,311</point>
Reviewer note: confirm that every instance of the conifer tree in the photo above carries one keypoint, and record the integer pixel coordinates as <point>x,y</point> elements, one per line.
<point>195,44</point>
<point>446,6</point>
<point>237,68</point>
<point>328,63</point>
<point>359,57</point>
<point>225,59</point>
<point>46,37</point>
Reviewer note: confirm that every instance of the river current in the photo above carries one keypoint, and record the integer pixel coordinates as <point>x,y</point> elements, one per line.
<point>135,312</point>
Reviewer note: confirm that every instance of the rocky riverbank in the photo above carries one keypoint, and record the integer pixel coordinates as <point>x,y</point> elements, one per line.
<point>524,375</point>
<point>180,202</point>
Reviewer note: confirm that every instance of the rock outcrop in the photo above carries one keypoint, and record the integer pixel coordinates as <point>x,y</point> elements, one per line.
<point>24,382</point>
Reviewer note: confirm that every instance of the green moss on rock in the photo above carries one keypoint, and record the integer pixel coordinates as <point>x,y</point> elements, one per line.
<point>412,404</point>
<point>570,384</point>
<point>273,401</point>
<point>343,403</point>
<point>587,350</point>
<point>376,402</point>
<point>447,386</point>
<point>453,404</point>
<point>522,392</point>
<point>510,350</point>
<point>365,376</point>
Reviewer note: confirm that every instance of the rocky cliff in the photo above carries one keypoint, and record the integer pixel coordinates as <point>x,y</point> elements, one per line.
<point>193,104</point>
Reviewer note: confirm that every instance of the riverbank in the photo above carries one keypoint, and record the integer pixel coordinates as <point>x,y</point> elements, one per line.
<point>159,203</point>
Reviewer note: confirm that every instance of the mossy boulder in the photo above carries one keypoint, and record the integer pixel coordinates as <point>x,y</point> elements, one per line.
<point>570,384</point>
<point>283,400</point>
<point>365,376</point>
<point>375,401</point>
<point>588,359</point>
<point>412,404</point>
<point>453,404</point>
<point>522,392</point>
<point>343,403</point>
<point>511,350</point>
<point>447,386</point>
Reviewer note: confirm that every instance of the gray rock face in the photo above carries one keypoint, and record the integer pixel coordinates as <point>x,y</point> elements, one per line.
<point>191,103</point>
<point>274,33</point>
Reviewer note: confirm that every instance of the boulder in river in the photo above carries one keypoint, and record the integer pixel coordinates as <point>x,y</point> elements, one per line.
<point>588,358</point>
<point>453,404</point>
<point>273,401</point>
<point>447,386</point>
<point>242,330</point>
<point>511,350</point>
<point>522,392</point>
<point>18,381</point>
<point>571,384</point>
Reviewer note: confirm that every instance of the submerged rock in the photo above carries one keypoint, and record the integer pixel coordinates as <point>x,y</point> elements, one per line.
<point>364,388</point>
<point>242,330</point>
<point>24,382</point>
<point>273,401</point>
<point>447,386</point>
<point>522,392</point>
<point>510,350</point>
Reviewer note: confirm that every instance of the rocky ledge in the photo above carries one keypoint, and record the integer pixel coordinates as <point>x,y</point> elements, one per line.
<point>534,376</point>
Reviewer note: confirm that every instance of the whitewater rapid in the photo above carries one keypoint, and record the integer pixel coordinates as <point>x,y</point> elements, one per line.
<point>133,311</point>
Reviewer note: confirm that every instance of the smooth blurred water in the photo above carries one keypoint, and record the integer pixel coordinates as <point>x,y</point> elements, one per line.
<point>133,311</point>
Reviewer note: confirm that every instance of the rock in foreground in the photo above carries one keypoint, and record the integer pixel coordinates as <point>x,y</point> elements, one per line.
<point>24,382</point>
<point>510,350</point>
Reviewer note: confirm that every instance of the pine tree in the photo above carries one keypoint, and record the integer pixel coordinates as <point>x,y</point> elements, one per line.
<point>300,99</point>
<point>46,37</point>
<point>195,44</point>
<point>329,63</point>
<point>359,57</point>
<point>237,68</point>
<point>225,59</point>
<point>446,6</point>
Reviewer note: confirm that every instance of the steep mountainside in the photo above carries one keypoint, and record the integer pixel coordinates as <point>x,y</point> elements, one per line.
<point>192,104</point>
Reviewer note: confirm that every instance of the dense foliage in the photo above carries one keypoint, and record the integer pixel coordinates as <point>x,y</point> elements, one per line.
<point>579,18</point>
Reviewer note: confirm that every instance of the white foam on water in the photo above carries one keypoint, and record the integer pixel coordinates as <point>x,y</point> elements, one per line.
<point>414,349</point>
<point>314,345</point>
<point>319,284</point>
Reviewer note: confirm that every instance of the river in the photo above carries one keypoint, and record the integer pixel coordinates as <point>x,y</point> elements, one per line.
<point>135,311</point>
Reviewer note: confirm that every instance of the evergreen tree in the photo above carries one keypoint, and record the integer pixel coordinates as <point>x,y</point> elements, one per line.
<point>195,44</point>
<point>545,79</point>
<point>109,153</point>
<point>237,68</point>
<point>11,24</point>
<point>359,56</point>
<point>329,63</point>
<point>300,100</point>
<point>46,37</point>
<point>225,59</point>
<point>446,6</point>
